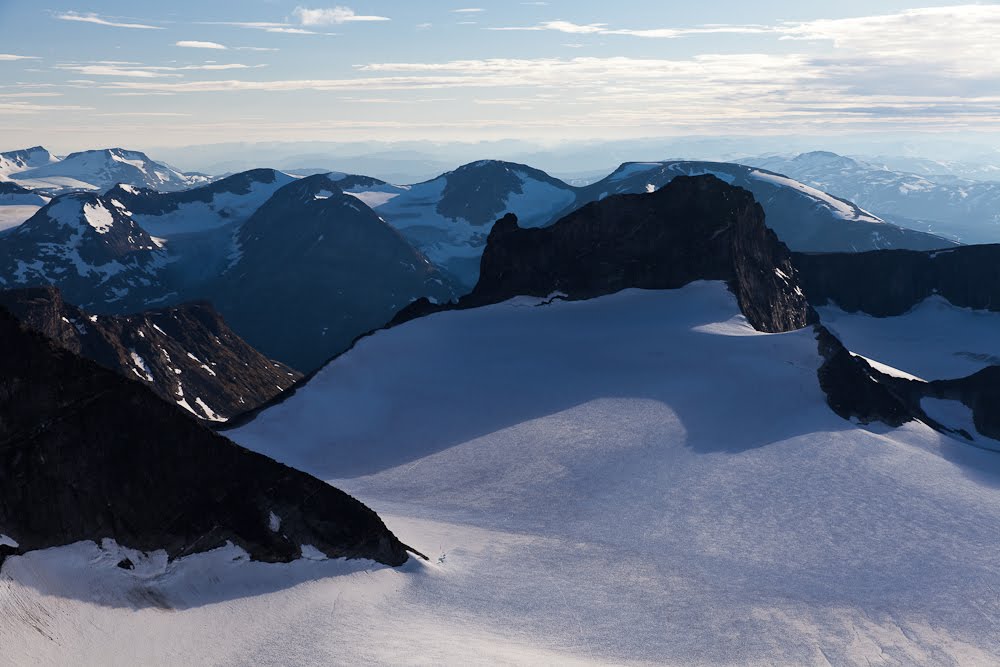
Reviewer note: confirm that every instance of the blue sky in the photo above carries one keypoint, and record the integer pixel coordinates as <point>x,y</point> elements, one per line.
<point>111,72</point>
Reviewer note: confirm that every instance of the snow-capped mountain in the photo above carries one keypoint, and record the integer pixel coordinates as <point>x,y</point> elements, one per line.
<point>804,217</point>
<point>228,201</point>
<point>957,208</point>
<point>92,456</point>
<point>102,169</point>
<point>187,354</point>
<point>90,248</point>
<point>324,267</point>
<point>13,162</point>
<point>449,217</point>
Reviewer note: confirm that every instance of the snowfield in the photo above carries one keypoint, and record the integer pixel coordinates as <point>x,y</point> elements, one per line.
<point>935,340</point>
<point>636,479</point>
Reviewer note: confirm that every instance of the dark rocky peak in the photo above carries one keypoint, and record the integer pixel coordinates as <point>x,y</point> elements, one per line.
<point>695,228</point>
<point>89,455</point>
<point>478,192</point>
<point>186,354</point>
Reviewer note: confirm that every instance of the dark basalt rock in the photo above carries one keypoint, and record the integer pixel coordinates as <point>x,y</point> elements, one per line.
<point>88,455</point>
<point>187,352</point>
<point>890,282</point>
<point>694,228</point>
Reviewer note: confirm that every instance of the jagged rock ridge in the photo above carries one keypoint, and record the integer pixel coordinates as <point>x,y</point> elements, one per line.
<point>186,354</point>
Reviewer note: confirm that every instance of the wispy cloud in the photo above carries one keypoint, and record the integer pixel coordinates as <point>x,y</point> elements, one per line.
<point>332,16</point>
<point>469,10</point>
<point>94,18</point>
<point>147,71</point>
<point>21,108</point>
<point>11,56</point>
<point>192,44</point>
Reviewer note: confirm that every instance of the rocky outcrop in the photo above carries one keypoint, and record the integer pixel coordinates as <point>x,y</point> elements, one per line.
<point>694,228</point>
<point>186,354</point>
<point>856,391</point>
<point>890,282</point>
<point>88,455</point>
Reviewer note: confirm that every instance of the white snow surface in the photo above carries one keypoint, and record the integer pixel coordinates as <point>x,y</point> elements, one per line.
<point>840,208</point>
<point>635,479</point>
<point>226,208</point>
<point>935,340</point>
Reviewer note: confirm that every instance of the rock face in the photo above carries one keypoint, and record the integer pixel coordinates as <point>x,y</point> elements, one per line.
<point>325,268</point>
<point>695,228</point>
<point>890,282</point>
<point>186,354</point>
<point>90,455</point>
<point>854,390</point>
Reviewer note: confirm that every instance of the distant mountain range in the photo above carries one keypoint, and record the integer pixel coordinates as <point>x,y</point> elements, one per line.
<point>36,168</point>
<point>962,209</point>
<point>332,256</point>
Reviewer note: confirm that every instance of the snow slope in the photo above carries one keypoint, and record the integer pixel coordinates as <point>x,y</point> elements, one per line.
<point>935,340</point>
<point>640,478</point>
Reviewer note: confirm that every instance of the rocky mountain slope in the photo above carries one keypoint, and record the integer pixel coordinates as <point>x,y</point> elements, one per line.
<point>186,354</point>
<point>90,455</point>
<point>325,268</point>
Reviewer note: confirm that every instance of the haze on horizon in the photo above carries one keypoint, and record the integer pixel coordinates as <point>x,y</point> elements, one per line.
<point>75,76</point>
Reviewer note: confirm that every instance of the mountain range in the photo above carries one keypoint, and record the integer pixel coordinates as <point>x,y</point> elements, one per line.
<point>650,431</point>
<point>963,209</point>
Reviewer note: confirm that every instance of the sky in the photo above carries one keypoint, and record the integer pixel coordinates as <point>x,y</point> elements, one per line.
<point>95,73</point>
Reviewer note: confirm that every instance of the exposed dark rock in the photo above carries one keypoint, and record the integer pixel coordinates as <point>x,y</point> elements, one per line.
<point>126,564</point>
<point>695,228</point>
<point>88,455</point>
<point>854,390</point>
<point>890,282</point>
<point>186,354</point>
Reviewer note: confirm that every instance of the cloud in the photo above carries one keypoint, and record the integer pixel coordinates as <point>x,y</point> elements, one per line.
<point>21,108</point>
<point>562,26</point>
<point>200,45</point>
<point>146,71</point>
<point>332,16</point>
<point>11,56</point>
<point>94,18</point>
<point>469,10</point>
